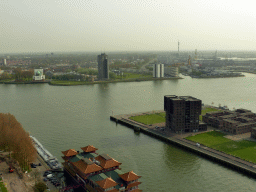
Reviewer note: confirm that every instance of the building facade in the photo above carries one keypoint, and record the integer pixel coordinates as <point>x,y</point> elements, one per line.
<point>171,71</point>
<point>38,75</point>
<point>182,113</point>
<point>98,173</point>
<point>235,122</point>
<point>158,70</point>
<point>103,67</point>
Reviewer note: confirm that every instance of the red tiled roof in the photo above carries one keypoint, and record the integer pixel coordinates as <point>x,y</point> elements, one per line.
<point>89,149</point>
<point>107,162</point>
<point>133,184</point>
<point>106,183</point>
<point>85,167</point>
<point>130,176</point>
<point>70,152</point>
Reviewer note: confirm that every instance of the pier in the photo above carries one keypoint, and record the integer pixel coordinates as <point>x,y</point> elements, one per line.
<point>178,140</point>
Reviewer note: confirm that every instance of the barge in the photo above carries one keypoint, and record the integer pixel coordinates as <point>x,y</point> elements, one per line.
<point>46,155</point>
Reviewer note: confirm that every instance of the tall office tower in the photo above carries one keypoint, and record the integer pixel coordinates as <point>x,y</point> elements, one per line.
<point>103,68</point>
<point>158,70</point>
<point>182,113</point>
<point>161,70</point>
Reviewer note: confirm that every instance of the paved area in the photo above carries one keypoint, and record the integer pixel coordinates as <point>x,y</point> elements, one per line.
<point>12,180</point>
<point>239,137</point>
<point>15,184</point>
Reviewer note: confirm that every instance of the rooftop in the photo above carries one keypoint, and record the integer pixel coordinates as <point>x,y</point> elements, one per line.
<point>86,167</point>
<point>70,152</point>
<point>130,176</point>
<point>89,149</point>
<point>107,162</point>
<point>106,183</point>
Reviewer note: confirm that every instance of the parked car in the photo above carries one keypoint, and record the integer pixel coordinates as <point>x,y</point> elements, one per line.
<point>33,165</point>
<point>47,173</point>
<point>49,176</point>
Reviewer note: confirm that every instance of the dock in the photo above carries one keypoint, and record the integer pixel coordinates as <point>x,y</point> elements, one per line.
<point>230,161</point>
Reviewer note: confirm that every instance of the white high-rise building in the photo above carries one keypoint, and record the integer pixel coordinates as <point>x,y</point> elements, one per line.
<point>158,70</point>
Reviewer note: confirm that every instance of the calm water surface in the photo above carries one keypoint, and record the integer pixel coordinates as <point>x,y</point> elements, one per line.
<point>73,117</point>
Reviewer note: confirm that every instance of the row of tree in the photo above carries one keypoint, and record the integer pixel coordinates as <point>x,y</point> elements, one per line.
<point>14,139</point>
<point>19,75</point>
<point>22,75</point>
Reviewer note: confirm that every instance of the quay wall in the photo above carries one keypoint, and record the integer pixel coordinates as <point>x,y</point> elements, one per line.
<point>216,157</point>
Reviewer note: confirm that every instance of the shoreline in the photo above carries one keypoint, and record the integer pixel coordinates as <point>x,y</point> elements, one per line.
<point>76,83</point>
<point>230,161</point>
<point>69,83</point>
<point>214,77</point>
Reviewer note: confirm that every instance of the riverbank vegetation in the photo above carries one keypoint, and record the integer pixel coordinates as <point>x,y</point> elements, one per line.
<point>15,140</point>
<point>149,119</point>
<point>243,149</point>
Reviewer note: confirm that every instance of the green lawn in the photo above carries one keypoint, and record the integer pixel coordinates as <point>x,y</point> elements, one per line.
<point>2,187</point>
<point>206,110</point>
<point>134,76</point>
<point>150,119</point>
<point>243,149</point>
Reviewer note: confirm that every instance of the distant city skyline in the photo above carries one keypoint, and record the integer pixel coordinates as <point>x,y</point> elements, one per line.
<point>89,26</point>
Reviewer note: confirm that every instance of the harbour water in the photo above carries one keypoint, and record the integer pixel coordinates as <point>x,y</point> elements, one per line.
<point>73,117</point>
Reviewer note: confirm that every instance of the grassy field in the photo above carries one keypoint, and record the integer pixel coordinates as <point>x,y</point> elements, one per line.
<point>150,119</point>
<point>2,187</point>
<point>206,110</point>
<point>243,149</point>
<point>134,76</point>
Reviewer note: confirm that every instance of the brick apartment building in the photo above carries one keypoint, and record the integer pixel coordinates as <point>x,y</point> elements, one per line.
<point>182,113</point>
<point>234,122</point>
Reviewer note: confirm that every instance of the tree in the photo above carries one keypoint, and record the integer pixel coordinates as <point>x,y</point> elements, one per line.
<point>18,74</point>
<point>5,75</point>
<point>112,75</point>
<point>15,139</point>
<point>28,75</point>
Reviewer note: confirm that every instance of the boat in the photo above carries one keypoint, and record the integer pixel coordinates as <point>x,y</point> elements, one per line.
<point>46,155</point>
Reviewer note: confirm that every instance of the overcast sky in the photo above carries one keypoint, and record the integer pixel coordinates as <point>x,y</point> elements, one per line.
<point>126,25</point>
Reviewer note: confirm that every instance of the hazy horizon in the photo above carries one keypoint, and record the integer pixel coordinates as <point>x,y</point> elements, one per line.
<point>117,26</point>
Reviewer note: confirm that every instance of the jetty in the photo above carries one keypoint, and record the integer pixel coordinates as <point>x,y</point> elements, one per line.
<point>160,132</point>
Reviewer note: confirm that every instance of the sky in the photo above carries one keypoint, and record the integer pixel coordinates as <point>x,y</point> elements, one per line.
<point>126,25</point>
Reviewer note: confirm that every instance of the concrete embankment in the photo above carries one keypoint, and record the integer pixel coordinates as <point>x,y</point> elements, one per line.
<point>214,155</point>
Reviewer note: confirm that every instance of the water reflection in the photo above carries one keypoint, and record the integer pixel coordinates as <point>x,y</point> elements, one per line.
<point>179,160</point>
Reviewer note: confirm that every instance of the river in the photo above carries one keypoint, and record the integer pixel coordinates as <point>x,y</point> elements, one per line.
<point>63,117</point>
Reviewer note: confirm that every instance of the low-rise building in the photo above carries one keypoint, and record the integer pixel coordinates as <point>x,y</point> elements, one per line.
<point>234,122</point>
<point>38,75</point>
